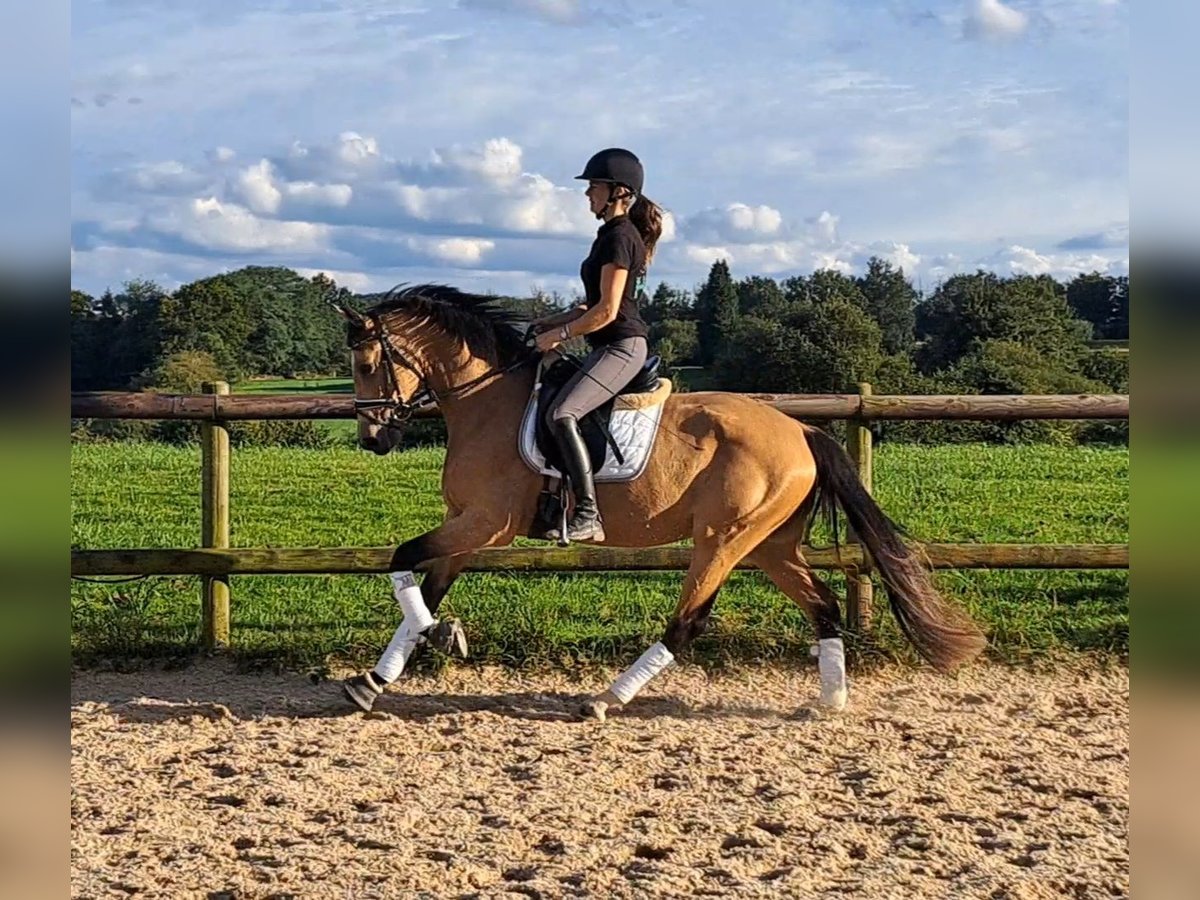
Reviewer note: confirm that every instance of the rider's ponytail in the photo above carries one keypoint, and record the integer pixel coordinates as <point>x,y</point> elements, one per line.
<point>647,217</point>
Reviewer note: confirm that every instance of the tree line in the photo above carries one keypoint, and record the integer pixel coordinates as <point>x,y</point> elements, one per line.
<point>827,331</point>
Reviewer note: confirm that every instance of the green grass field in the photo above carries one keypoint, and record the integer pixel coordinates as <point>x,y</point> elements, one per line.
<point>295,386</point>
<point>146,495</point>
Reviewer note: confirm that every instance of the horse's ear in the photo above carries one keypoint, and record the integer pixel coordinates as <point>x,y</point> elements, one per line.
<point>350,314</point>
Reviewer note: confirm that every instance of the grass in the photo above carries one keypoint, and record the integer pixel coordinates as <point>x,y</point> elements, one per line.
<point>145,495</point>
<point>295,386</point>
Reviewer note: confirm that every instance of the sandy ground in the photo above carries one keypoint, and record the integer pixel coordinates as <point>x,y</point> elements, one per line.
<point>996,783</point>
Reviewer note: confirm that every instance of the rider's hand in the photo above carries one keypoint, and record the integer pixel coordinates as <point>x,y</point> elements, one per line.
<point>547,341</point>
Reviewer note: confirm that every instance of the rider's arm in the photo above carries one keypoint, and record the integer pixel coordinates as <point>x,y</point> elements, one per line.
<point>612,286</point>
<point>556,319</point>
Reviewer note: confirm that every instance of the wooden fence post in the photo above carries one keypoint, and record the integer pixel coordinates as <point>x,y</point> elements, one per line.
<point>214,523</point>
<point>860,592</point>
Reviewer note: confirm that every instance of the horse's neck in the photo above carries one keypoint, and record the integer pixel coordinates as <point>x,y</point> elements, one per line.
<point>486,407</point>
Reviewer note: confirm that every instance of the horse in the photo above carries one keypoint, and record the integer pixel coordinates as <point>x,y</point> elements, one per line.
<point>739,478</point>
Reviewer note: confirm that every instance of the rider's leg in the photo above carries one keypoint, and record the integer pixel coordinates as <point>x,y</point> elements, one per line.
<point>606,370</point>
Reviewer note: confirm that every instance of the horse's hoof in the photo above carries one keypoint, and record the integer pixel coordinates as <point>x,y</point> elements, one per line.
<point>361,691</point>
<point>448,637</point>
<point>594,709</point>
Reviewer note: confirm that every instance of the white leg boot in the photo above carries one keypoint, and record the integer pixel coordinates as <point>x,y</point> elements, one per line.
<point>831,663</point>
<point>629,682</point>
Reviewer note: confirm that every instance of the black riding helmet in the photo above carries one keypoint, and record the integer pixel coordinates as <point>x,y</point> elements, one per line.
<point>615,166</point>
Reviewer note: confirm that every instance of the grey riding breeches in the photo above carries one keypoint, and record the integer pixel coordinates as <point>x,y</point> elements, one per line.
<point>605,371</point>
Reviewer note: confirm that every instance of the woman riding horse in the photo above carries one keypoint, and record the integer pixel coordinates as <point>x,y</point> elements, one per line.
<point>739,478</point>
<point>612,277</point>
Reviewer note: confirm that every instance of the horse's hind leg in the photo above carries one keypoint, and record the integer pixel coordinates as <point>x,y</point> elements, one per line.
<point>781,560</point>
<point>715,554</point>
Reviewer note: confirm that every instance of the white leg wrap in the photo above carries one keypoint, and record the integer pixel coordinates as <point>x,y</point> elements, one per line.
<point>634,678</point>
<point>831,663</point>
<point>416,619</point>
<point>398,651</point>
<point>408,594</point>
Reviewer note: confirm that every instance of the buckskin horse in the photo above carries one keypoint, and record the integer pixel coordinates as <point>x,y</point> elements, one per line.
<point>739,478</point>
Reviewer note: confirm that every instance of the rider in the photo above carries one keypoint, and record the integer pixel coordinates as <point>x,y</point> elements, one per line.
<point>612,275</point>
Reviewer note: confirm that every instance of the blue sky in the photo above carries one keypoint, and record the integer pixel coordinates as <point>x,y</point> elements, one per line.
<point>387,142</point>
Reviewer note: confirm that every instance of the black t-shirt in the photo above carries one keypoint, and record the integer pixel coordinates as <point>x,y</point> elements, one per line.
<point>617,242</point>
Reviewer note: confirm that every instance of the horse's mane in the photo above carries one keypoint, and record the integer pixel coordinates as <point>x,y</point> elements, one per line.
<point>488,329</point>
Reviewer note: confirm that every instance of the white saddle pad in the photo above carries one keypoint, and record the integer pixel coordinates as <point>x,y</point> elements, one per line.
<point>634,424</point>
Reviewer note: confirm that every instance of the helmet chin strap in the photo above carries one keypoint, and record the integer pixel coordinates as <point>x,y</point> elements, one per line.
<point>612,198</point>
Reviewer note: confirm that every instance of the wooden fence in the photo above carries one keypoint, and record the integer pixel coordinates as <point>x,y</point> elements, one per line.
<point>215,561</point>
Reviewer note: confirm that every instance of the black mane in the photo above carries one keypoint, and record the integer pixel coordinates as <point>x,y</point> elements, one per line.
<point>488,329</point>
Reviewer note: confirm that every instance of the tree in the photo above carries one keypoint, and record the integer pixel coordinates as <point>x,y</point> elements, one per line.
<point>83,341</point>
<point>891,301</point>
<point>717,311</point>
<point>676,341</point>
<point>828,285</point>
<point>840,346</point>
<point>667,303</point>
<point>1102,300</point>
<point>209,315</point>
<point>967,310</point>
<point>117,336</point>
<point>182,372</point>
<point>762,297</point>
<point>817,347</point>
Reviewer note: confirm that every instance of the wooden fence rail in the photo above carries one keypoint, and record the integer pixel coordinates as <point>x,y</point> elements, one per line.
<point>824,407</point>
<point>370,560</point>
<point>215,561</point>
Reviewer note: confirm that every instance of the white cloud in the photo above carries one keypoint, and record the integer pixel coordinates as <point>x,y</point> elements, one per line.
<point>359,282</point>
<point>560,12</point>
<point>899,255</point>
<point>824,227</point>
<point>222,154</point>
<point>213,225</point>
<point>1018,260</point>
<point>735,223</point>
<point>498,160</point>
<point>337,195</point>
<point>459,251</point>
<point>256,186</point>
<point>356,150</point>
<point>170,177</point>
<point>263,191</point>
<point>992,19</point>
<point>669,228</point>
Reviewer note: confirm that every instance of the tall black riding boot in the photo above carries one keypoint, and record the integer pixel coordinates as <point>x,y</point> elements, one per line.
<point>585,522</point>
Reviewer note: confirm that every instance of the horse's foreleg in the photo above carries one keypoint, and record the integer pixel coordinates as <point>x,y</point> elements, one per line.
<point>442,552</point>
<point>447,634</point>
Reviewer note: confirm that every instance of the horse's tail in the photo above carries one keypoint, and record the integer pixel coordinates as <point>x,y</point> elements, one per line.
<point>943,634</point>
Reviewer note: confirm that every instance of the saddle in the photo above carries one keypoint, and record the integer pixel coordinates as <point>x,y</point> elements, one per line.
<point>626,425</point>
<point>596,426</point>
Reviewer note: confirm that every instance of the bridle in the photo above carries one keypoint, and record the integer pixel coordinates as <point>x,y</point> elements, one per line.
<point>395,411</point>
